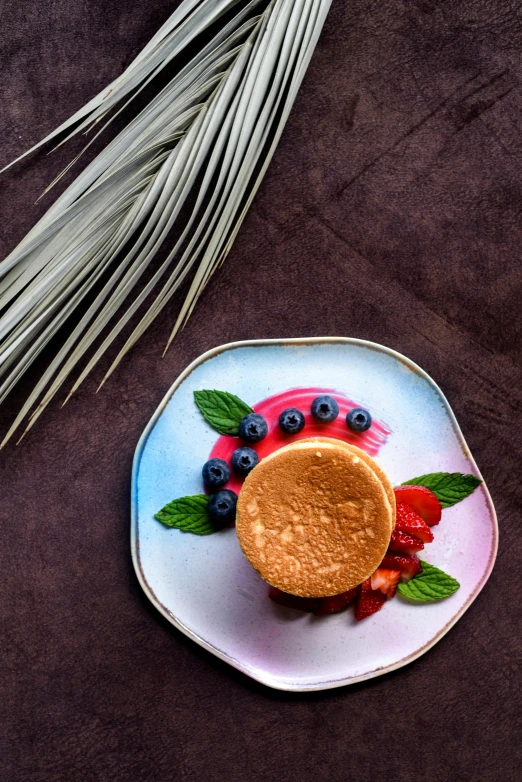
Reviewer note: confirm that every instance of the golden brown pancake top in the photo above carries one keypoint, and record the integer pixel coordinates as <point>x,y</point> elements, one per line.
<point>388,488</point>
<point>313,519</point>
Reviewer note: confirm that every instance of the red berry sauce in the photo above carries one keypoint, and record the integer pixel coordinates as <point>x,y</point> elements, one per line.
<point>370,441</point>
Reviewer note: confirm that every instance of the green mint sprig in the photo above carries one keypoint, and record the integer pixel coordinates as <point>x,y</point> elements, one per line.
<point>448,487</point>
<point>223,411</point>
<point>431,584</point>
<point>189,514</point>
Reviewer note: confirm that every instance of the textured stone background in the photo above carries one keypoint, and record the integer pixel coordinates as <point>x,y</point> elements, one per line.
<point>391,212</point>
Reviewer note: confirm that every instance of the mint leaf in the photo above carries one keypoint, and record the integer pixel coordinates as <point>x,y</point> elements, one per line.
<point>431,584</point>
<point>222,410</point>
<point>189,514</point>
<point>448,487</point>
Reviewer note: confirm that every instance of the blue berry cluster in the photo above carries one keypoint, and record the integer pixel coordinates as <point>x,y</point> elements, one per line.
<point>252,429</point>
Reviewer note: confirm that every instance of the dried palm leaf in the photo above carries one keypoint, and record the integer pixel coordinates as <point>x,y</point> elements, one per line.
<point>207,136</point>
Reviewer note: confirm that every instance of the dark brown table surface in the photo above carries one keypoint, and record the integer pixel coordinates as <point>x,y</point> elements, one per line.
<point>391,212</point>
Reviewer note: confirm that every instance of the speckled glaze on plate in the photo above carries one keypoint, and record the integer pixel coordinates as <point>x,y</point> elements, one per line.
<point>205,586</point>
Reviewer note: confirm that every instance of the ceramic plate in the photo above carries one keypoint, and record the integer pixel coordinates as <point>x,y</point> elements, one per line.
<point>208,590</point>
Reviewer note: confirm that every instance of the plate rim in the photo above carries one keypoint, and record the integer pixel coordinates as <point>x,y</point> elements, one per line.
<point>268,680</point>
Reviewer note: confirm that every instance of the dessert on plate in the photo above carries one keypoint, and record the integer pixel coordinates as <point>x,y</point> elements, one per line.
<point>315,514</point>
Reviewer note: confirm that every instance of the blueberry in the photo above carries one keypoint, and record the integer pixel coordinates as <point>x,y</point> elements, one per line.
<point>216,473</point>
<point>244,460</point>
<point>325,409</point>
<point>253,428</point>
<point>359,420</point>
<point>222,507</point>
<point>291,420</point>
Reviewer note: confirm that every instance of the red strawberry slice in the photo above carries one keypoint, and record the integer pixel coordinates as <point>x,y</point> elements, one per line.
<point>423,502</point>
<point>330,605</point>
<point>385,580</point>
<point>369,600</point>
<point>408,566</point>
<point>292,601</point>
<point>407,544</point>
<point>409,521</point>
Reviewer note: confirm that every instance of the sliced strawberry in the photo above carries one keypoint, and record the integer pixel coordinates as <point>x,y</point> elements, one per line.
<point>385,580</point>
<point>407,544</point>
<point>292,601</point>
<point>369,600</point>
<point>423,502</point>
<point>409,521</point>
<point>330,605</point>
<point>408,566</point>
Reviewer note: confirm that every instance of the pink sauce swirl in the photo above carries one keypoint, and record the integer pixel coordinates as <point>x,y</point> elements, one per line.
<point>301,398</point>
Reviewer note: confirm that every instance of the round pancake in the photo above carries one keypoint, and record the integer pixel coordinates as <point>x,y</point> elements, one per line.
<point>388,488</point>
<point>313,519</point>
